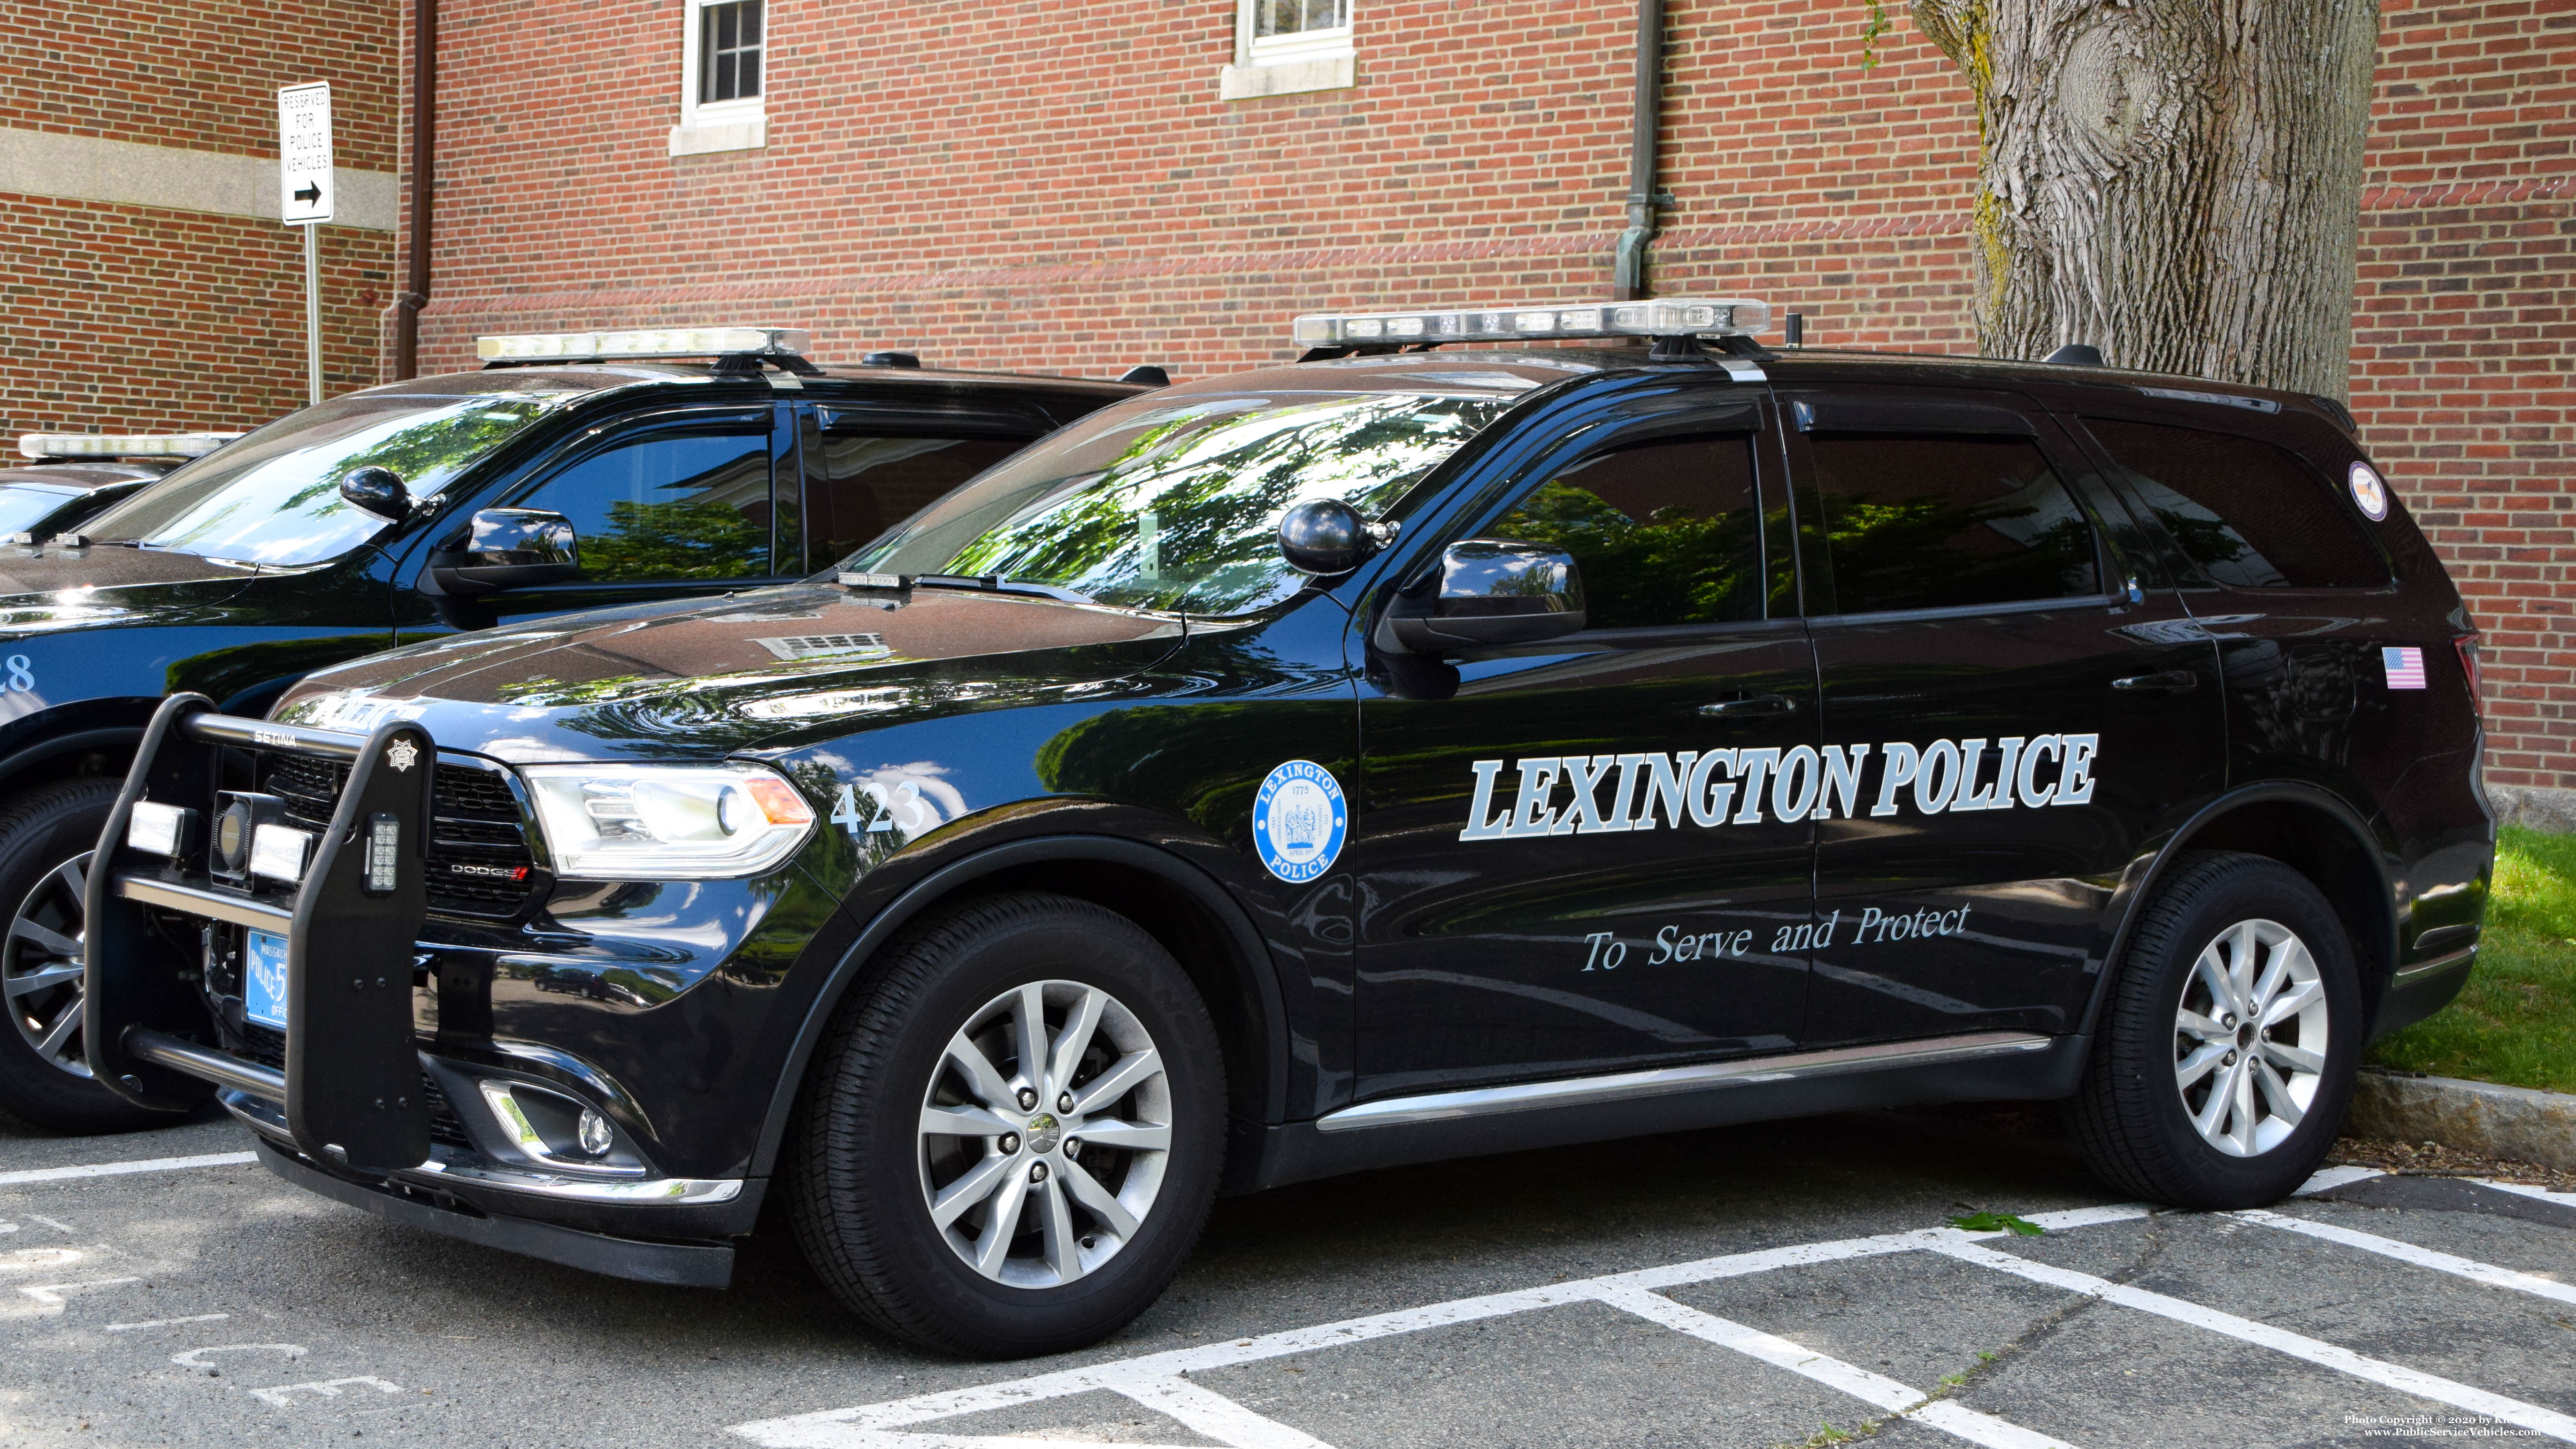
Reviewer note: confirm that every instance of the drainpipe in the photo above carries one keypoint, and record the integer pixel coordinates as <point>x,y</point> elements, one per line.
<point>1628,270</point>
<point>424,140</point>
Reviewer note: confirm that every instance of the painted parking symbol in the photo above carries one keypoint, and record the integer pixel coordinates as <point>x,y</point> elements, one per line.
<point>1299,820</point>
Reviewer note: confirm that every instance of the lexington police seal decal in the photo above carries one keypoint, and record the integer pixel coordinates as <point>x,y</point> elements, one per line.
<point>1298,821</point>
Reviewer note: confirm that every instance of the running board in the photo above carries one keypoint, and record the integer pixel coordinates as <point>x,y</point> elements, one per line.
<point>1987,1066</point>
<point>1667,1081</point>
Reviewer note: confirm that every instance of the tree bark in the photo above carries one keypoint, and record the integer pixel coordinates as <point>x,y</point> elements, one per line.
<point>2177,182</point>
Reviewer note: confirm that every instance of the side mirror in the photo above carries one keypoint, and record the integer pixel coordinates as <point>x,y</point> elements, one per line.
<point>1488,592</point>
<point>508,548</point>
<point>379,491</point>
<point>1324,537</point>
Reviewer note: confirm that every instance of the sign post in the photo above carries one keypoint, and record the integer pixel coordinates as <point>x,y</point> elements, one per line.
<point>304,199</point>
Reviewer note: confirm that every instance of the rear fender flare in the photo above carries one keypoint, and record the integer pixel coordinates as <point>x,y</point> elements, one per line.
<point>2138,881</point>
<point>928,892</point>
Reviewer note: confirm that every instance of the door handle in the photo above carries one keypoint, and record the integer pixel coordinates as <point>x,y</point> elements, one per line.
<point>1759,704</point>
<point>2171,681</point>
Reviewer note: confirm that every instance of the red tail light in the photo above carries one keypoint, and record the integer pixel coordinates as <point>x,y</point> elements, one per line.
<point>2467,644</point>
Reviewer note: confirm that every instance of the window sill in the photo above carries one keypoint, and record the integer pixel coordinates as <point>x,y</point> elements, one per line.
<point>1281,78</point>
<point>746,134</point>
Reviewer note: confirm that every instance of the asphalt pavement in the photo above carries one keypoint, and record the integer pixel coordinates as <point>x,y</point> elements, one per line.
<point>1761,1286</point>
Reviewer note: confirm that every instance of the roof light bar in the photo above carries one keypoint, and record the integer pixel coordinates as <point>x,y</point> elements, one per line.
<point>658,342</point>
<point>121,445</point>
<point>1662,317</point>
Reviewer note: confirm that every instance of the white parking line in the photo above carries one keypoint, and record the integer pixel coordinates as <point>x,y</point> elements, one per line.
<point>164,1322</point>
<point>1900,1400</point>
<point>1206,1412</point>
<point>2524,1189</point>
<point>2316,1351</point>
<point>119,1169</point>
<point>2474,1271</point>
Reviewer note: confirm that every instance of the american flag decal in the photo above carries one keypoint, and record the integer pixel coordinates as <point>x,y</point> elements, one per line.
<point>2405,667</point>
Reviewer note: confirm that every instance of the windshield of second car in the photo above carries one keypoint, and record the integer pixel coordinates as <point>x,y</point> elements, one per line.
<point>1174,502</point>
<point>274,496</point>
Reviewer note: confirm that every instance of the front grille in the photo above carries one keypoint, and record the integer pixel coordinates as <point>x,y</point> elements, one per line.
<point>474,828</point>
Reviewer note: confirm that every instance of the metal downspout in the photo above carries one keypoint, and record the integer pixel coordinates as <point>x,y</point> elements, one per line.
<point>1628,269</point>
<point>424,139</point>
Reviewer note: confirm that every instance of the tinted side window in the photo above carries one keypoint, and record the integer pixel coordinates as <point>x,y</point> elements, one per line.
<point>859,485</point>
<point>1948,522</point>
<point>2251,514</point>
<point>1664,533</point>
<point>675,503</point>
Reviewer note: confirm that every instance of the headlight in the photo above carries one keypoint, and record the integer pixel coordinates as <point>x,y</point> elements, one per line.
<point>666,822</point>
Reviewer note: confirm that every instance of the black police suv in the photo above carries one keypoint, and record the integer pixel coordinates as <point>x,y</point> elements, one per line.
<point>1369,761</point>
<point>410,512</point>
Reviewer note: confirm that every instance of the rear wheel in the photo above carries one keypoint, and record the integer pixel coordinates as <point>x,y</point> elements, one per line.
<point>46,836</point>
<point>1011,1138</point>
<point>2226,1054</point>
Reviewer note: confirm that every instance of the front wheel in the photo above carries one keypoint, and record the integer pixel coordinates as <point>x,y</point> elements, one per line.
<point>46,836</point>
<point>1012,1136</point>
<point>2226,1054</point>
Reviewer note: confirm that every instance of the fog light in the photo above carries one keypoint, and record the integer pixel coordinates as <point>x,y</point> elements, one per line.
<point>596,1137</point>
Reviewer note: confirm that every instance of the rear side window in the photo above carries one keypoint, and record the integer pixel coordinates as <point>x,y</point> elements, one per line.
<point>1662,534</point>
<point>2251,514</point>
<point>859,484</point>
<point>1945,522</point>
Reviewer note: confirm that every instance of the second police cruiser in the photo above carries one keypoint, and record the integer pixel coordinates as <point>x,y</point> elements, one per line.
<point>1391,757</point>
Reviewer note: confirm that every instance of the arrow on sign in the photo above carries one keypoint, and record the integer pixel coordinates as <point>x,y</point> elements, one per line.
<point>308,192</point>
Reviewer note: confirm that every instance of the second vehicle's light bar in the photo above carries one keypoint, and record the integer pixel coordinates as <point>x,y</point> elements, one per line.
<point>1662,317</point>
<point>121,445</point>
<point>656,342</point>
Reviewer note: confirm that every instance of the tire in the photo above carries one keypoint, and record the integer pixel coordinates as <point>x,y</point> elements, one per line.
<point>2163,1112</point>
<point>46,836</point>
<point>868,1158</point>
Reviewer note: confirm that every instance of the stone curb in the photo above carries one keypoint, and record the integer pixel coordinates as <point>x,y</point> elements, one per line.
<point>2515,1124</point>
<point>2536,807</point>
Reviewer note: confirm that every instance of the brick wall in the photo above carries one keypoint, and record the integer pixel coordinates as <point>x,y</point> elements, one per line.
<point>118,318</point>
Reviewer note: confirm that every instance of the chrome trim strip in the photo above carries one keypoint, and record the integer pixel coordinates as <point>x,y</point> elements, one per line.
<point>1669,1081</point>
<point>443,1166</point>
<point>197,901</point>
<point>673,1191</point>
<point>205,1063</point>
<point>2434,967</point>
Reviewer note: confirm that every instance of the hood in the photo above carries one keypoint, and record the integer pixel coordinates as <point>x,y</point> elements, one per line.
<point>768,669</point>
<point>52,571</point>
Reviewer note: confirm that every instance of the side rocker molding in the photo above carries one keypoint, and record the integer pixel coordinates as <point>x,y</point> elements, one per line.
<point>2142,876</point>
<point>936,886</point>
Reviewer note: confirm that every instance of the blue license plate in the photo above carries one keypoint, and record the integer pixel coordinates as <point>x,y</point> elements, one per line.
<point>264,980</point>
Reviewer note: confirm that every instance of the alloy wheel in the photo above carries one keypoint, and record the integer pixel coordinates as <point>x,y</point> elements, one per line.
<point>2250,1038</point>
<point>1045,1134</point>
<point>41,965</point>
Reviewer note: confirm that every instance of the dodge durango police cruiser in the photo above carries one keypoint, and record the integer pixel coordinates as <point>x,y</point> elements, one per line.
<point>1399,755</point>
<point>573,473</point>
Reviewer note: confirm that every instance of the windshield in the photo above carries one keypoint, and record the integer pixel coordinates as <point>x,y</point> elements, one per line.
<point>23,507</point>
<point>1174,503</point>
<point>274,497</point>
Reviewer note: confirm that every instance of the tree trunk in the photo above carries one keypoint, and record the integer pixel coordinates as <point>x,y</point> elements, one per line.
<point>2177,182</point>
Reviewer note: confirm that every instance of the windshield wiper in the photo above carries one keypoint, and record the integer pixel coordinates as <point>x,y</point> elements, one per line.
<point>996,584</point>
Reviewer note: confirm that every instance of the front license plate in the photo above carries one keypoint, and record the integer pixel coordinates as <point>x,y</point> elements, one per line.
<point>264,980</point>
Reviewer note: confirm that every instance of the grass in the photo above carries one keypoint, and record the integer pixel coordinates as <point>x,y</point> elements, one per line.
<point>2516,1021</point>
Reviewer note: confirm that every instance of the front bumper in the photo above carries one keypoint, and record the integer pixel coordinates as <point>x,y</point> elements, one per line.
<point>682,1265</point>
<point>343,1099</point>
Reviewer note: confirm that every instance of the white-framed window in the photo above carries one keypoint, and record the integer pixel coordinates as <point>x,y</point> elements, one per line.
<point>1285,46</point>
<point>723,77</point>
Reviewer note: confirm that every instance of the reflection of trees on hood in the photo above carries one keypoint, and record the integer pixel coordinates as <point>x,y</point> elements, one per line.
<point>1214,489</point>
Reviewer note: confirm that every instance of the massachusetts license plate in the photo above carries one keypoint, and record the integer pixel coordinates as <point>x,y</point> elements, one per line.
<point>264,980</point>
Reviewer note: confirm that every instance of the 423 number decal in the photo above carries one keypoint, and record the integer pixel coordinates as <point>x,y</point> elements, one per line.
<point>878,814</point>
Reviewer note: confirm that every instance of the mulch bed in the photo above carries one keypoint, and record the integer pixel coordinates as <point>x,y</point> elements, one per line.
<point>2432,1159</point>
